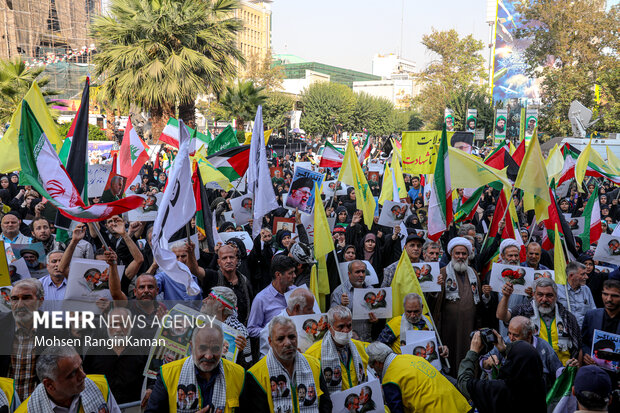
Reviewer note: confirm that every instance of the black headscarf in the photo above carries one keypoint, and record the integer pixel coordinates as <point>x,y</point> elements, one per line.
<point>519,387</point>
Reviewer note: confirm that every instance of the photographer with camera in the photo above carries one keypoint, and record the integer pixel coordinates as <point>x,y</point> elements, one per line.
<point>519,385</point>
<point>554,323</point>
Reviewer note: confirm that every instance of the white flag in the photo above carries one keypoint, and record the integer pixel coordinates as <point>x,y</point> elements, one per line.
<point>178,206</point>
<point>259,179</point>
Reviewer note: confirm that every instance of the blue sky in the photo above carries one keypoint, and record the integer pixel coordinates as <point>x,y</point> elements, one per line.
<point>347,33</point>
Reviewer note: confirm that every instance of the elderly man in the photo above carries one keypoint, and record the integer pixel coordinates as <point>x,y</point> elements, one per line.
<point>54,283</point>
<point>411,384</point>
<point>343,295</point>
<point>10,229</point>
<point>300,302</point>
<point>413,247</point>
<point>460,305</point>
<point>412,319</point>
<point>270,301</point>
<point>115,192</point>
<point>580,299</point>
<point>228,276</point>
<point>522,328</point>
<point>431,251</point>
<point>288,368</point>
<point>338,351</point>
<point>65,388</point>
<point>218,380</point>
<point>552,320</point>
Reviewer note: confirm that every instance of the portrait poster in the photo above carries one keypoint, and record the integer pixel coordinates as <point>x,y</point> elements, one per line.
<point>463,141</point>
<point>519,277</point>
<point>376,165</point>
<point>301,192</point>
<point>499,130</point>
<point>606,350</point>
<point>243,207</point>
<point>371,273</point>
<point>576,224</point>
<point>230,350</point>
<point>34,256</point>
<point>18,270</point>
<point>287,224</point>
<point>448,118</point>
<point>372,300</point>
<point>603,270</point>
<point>531,122</point>
<point>393,213</point>
<point>333,188</point>
<point>5,299</point>
<point>242,235</point>
<point>427,273</point>
<point>544,274</point>
<point>421,232</point>
<point>308,222</point>
<point>310,328</point>
<point>471,121</point>
<point>366,397</point>
<point>276,172</point>
<point>423,344</point>
<point>113,189</point>
<point>148,211</point>
<point>608,249</point>
<point>228,217</point>
<point>315,308</point>
<point>88,281</point>
<point>374,177</point>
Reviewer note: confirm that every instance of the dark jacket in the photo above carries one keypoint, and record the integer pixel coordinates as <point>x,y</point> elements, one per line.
<point>593,320</point>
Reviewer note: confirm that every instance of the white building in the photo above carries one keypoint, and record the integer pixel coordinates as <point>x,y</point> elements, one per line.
<point>296,86</point>
<point>391,64</point>
<point>398,90</point>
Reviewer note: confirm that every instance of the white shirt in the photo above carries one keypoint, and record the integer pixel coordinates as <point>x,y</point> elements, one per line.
<point>75,405</point>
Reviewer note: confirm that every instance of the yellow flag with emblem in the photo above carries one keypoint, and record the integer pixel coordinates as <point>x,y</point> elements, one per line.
<point>559,261</point>
<point>398,173</point>
<point>532,176</point>
<point>387,187</point>
<point>351,174</point>
<point>5,275</point>
<point>467,171</point>
<point>405,281</point>
<point>323,245</point>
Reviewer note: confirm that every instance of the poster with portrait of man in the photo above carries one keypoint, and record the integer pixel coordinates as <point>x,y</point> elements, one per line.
<point>463,141</point>
<point>148,211</point>
<point>608,249</point>
<point>113,190</point>
<point>393,213</point>
<point>544,274</point>
<point>88,281</point>
<point>18,270</point>
<point>372,300</point>
<point>448,118</point>
<point>301,193</point>
<point>243,208</point>
<point>501,118</point>
<point>471,121</point>
<point>34,256</point>
<point>310,328</point>
<point>606,350</point>
<point>333,188</point>
<point>366,397</point>
<point>520,278</point>
<point>427,274</point>
<point>531,122</point>
<point>5,299</point>
<point>423,344</point>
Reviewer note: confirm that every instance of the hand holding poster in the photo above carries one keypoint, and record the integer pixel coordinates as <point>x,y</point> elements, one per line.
<point>88,281</point>
<point>366,397</point>
<point>242,207</point>
<point>393,213</point>
<point>310,328</point>
<point>606,350</point>
<point>372,300</point>
<point>371,274</point>
<point>608,249</point>
<point>423,344</point>
<point>301,193</point>
<point>148,210</point>
<point>519,277</point>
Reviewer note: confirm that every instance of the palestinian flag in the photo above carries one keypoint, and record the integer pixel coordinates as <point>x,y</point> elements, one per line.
<point>467,211</point>
<point>203,213</point>
<point>440,205</point>
<point>170,135</point>
<point>556,218</point>
<point>332,157</point>
<point>592,213</point>
<point>365,152</point>
<point>501,159</point>
<point>41,168</point>
<point>519,153</point>
<point>233,162</point>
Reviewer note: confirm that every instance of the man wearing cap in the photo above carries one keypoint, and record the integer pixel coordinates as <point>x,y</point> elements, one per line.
<point>459,306</point>
<point>301,192</point>
<point>592,388</point>
<point>413,246</point>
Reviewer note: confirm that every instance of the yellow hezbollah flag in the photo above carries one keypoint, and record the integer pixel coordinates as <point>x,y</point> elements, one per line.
<point>9,161</point>
<point>248,137</point>
<point>559,261</point>
<point>352,175</point>
<point>398,173</point>
<point>5,276</point>
<point>582,165</point>
<point>387,187</point>
<point>405,281</point>
<point>532,176</point>
<point>554,163</point>
<point>467,171</point>
<point>612,161</point>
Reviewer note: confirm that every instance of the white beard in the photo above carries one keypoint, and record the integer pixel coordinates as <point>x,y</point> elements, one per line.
<point>545,310</point>
<point>459,266</point>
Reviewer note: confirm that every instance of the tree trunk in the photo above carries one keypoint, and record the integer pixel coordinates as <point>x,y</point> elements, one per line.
<point>187,112</point>
<point>158,121</point>
<point>110,129</point>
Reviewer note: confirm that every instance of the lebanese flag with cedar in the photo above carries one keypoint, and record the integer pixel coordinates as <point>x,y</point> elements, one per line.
<point>133,154</point>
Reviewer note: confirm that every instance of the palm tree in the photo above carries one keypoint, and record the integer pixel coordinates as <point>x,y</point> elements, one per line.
<point>240,100</point>
<point>161,54</point>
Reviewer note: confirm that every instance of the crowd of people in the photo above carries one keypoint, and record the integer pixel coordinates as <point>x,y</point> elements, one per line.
<point>499,352</point>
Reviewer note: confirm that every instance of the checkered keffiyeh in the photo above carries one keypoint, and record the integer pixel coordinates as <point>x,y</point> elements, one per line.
<point>91,399</point>
<point>188,376</point>
<point>331,359</point>
<point>301,375</point>
<point>4,401</point>
<point>23,362</point>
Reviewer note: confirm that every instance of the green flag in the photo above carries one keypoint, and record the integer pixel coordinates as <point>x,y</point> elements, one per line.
<point>561,392</point>
<point>225,140</point>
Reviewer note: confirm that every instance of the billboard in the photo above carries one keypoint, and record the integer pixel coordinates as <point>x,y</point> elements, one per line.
<point>510,79</point>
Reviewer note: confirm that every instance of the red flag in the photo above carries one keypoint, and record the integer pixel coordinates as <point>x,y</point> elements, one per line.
<point>133,154</point>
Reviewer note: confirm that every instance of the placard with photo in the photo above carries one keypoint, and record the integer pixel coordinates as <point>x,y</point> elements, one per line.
<point>608,249</point>
<point>88,281</point>
<point>605,348</point>
<point>310,328</point>
<point>366,397</point>
<point>602,269</point>
<point>576,224</point>
<point>18,270</point>
<point>393,213</point>
<point>301,193</point>
<point>423,344</point>
<point>371,273</point>
<point>519,277</point>
<point>230,350</point>
<point>544,274</point>
<point>242,235</point>
<point>427,273</point>
<point>148,211</point>
<point>243,207</point>
<point>372,300</point>
<point>34,256</point>
<point>5,299</point>
<point>287,224</point>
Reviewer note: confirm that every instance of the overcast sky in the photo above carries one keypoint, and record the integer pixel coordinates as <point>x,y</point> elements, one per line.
<point>347,33</point>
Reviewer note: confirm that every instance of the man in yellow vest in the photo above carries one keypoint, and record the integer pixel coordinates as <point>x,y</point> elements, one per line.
<point>338,352</point>
<point>65,387</point>
<point>413,318</point>
<point>285,380</point>
<point>412,384</point>
<point>9,399</point>
<point>201,382</point>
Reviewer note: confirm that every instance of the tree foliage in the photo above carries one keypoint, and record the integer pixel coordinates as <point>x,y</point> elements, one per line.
<point>471,98</point>
<point>263,73</point>
<point>574,47</point>
<point>326,105</point>
<point>458,64</point>
<point>240,101</point>
<point>276,110</point>
<point>373,114</point>
<point>94,133</point>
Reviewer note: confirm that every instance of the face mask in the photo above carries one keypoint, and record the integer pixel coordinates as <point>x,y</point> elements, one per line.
<point>342,338</point>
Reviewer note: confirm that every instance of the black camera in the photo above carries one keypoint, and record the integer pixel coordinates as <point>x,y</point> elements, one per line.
<point>488,339</point>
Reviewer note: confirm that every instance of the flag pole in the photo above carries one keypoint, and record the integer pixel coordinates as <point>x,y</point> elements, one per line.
<point>531,229</point>
<point>95,227</point>
<point>430,316</point>
<point>563,241</point>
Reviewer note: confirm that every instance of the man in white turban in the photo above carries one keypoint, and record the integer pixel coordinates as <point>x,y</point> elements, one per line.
<point>459,305</point>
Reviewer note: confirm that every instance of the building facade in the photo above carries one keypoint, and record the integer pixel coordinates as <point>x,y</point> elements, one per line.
<point>254,41</point>
<point>388,65</point>
<point>336,74</point>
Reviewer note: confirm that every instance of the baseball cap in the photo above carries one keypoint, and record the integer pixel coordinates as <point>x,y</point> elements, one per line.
<point>414,237</point>
<point>339,228</point>
<point>592,379</point>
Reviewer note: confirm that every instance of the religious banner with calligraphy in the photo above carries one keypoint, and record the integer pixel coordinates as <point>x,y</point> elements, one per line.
<point>420,151</point>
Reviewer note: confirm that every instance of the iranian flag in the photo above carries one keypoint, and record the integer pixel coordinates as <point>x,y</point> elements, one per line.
<point>592,212</point>
<point>133,154</point>
<point>365,152</point>
<point>170,135</point>
<point>440,205</point>
<point>232,162</point>
<point>41,168</point>
<point>332,157</point>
